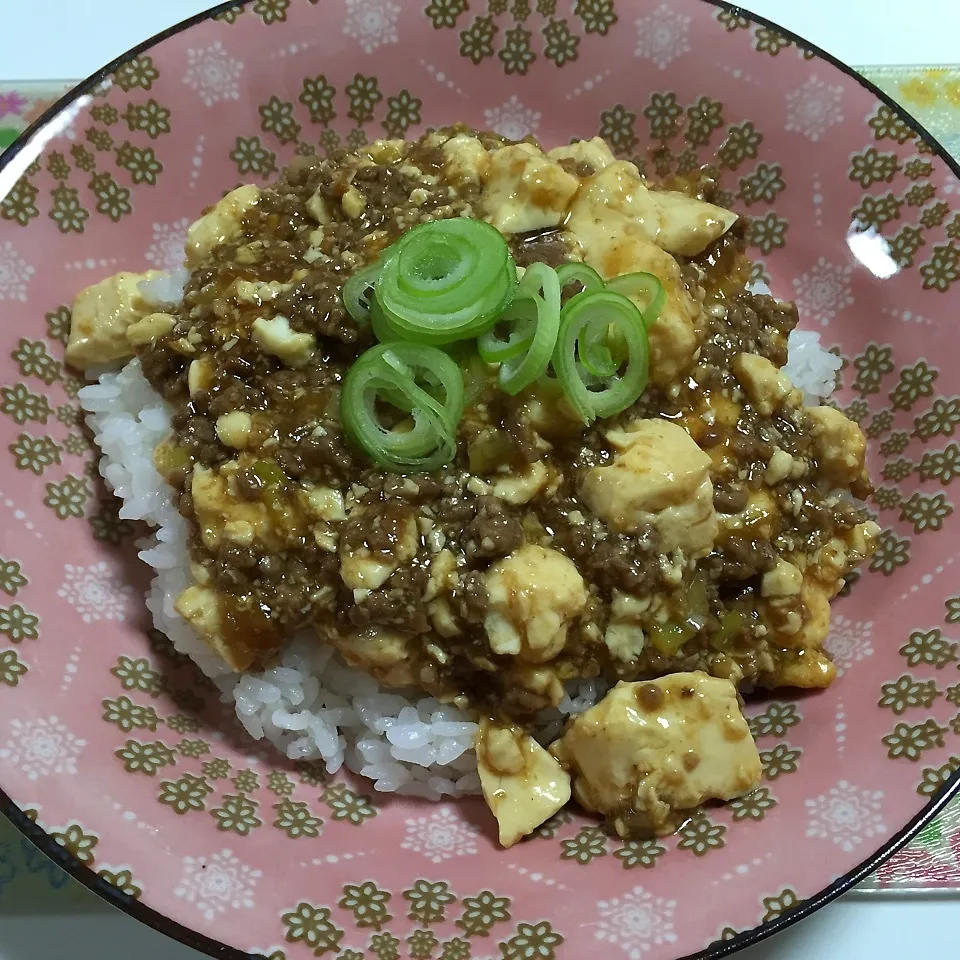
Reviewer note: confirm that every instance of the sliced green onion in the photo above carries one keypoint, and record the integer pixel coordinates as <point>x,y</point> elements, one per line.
<point>519,372</point>
<point>378,323</point>
<point>540,279</point>
<point>476,379</point>
<point>599,360</point>
<point>358,292</point>
<point>587,277</point>
<point>645,290</point>
<point>446,280</point>
<point>420,381</point>
<point>669,638</point>
<point>269,473</point>
<point>461,352</point>
<point>431,370</point>
<point>538,308</point>
<point>592,327</point>
<point>494,349</point>
<point>532,319</point>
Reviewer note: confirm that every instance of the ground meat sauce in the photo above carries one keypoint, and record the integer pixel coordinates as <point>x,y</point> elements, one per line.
<point>309,233</point>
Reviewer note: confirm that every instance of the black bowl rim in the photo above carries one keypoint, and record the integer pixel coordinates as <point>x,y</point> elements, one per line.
<point>720,948</point>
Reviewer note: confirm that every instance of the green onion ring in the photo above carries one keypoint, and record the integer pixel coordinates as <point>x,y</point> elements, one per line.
<point>493,349</point>
<point>588,324</point>
<point>519,372</point>
<point>430,370</point>
<point>378,323</point>
<point>533,319</point>
<point>390,372</point>
<point>539,281</point>
<point>538,297</point>
<point>446,280</point>
<point>358,292</point>
<point>587,277</point>
<point>542,280</point>
<point>645,290</point>
<point>476,378</point>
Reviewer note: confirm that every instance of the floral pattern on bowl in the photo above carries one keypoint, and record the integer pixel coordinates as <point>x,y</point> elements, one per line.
<point>120,752</point>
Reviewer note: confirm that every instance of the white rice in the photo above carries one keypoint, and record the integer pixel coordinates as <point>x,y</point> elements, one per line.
<point>165,289</point>
<point>311,705</point>
<point>810,367</point>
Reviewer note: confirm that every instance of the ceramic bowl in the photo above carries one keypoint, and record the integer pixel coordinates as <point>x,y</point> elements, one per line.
<point>116,758</point>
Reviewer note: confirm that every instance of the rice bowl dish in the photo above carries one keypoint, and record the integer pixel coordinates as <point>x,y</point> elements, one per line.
<point>640,684</point>
<point>574,541</point>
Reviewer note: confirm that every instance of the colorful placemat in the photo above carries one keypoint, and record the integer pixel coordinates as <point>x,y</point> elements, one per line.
<point>30,883</point>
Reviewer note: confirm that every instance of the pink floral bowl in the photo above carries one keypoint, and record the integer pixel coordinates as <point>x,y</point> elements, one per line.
<point>118,761</point>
